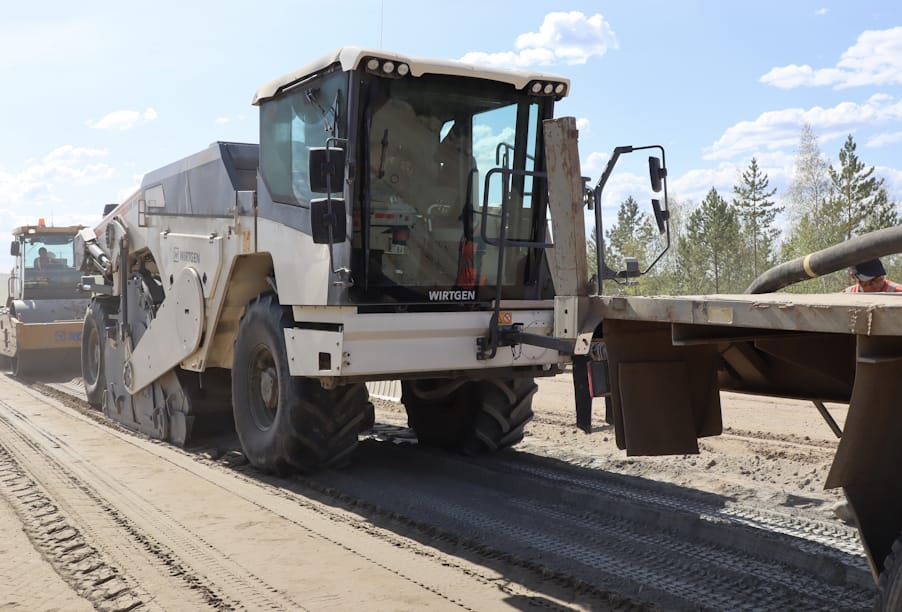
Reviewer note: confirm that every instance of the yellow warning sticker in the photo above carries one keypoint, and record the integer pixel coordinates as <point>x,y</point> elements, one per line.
<point>505,317</point>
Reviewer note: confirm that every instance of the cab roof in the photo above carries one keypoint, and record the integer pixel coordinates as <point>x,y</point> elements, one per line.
<point>349,58</point>
<point>47,229</point>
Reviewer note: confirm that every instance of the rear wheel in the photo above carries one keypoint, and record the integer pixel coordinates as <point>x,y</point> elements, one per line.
<point>470,417</point>
<point>285,422</point>
<point>889,596</point>
<point>92,343</point>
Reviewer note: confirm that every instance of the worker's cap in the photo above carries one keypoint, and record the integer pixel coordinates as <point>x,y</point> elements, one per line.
<point>868,270</point>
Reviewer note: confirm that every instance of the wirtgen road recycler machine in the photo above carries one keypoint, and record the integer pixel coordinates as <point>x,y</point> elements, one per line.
<point>392,224</point>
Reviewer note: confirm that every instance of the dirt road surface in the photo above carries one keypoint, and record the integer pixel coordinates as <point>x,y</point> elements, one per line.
<point>93,515</point>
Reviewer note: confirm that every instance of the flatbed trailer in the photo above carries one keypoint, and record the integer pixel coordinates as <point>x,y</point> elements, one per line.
<point>667,358</point>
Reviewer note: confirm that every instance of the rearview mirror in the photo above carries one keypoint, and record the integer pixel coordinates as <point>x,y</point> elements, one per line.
<point>326,213</point>
<point>656,173</point>
<point>661,216</point>
<point>326,168</point>
<point>14,248</point>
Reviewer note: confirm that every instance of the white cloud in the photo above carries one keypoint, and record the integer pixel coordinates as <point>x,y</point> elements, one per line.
<point>774,130</point>
<point>594,164</point>
<point>821,11</point>
<point>123,120</point>
<point>569,38</point>
<point>45,183</point>
<point>893,178</point>
<point>583,125</point>
<point>874,59</point>
<point>881,140</point>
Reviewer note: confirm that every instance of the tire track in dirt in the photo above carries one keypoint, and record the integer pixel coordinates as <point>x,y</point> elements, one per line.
<point>624,539</point>
<point>115,509</point>
<point>297,503</point>
<point>57,537</point>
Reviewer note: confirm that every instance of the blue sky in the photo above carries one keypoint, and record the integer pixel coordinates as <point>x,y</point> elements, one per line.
<point>95,94</point>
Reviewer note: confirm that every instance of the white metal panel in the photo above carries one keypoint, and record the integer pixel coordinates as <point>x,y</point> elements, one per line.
<point>203,252</point>
<point>304,348</point>
<point>302,267</point>
<point>394,344</point>
<point>173,334</point>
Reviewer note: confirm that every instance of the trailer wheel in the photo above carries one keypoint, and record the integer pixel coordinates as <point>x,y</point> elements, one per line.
<point>92,343</point>
<point>285,422</point>
<point>438,411</point>
<point>889,595</point>
<point>471,417</point>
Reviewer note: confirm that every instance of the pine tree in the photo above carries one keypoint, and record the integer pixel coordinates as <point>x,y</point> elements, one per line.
<point>883,212</point>
<point>854,188</point>
<point>708,250</point>
<point>630,236</point>
<point>757,214</point>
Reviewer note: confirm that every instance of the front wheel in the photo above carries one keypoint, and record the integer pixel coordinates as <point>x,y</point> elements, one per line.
<point>285,422</point>
<point>25,364</point>
<point>92,343</point>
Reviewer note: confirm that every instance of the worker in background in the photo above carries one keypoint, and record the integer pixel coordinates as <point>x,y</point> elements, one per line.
<point>41,261</point>
<point>870,277</point>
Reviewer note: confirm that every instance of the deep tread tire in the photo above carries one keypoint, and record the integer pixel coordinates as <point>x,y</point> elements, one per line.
<point>476,417</point>
<point>92,348</point>
<point>889,596</point>
<point>440,418</point>
<point>287,423</point>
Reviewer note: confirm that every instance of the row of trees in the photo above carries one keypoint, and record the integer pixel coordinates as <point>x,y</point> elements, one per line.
<point>722,244</point>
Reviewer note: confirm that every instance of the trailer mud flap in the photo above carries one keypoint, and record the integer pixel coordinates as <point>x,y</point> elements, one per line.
<point>867,461</point>
<point>664,397</point>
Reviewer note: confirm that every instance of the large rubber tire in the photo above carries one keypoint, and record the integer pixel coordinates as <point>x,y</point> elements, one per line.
<point>473,417</point>
<point>92,348</point>
<point>438,411</point>
<point>889,596</point>
<point>288,423</point>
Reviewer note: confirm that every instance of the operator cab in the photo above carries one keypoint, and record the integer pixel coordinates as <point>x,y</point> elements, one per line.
<point>419,158</point>
<point>44,263</point>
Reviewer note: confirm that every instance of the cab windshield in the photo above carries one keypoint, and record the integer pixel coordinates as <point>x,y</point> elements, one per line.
<point>48,266</point>
<point>430,144</point>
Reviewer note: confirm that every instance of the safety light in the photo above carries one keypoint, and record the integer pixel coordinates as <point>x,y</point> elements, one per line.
<point>386,68</point>
<point>400,234</point>
<point>41,222</point>
<point>536,87</point>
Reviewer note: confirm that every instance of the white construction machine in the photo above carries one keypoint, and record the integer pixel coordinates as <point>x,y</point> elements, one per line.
<point>390,225</point>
